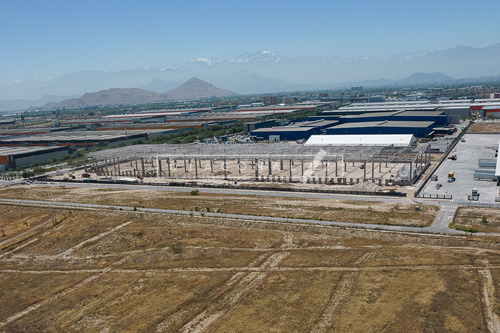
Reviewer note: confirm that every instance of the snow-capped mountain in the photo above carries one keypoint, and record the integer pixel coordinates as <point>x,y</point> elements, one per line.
<point>254,72</point>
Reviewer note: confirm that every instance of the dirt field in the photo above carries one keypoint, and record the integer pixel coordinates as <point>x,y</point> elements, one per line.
<point>479,218</point>
<point>489,127</point>
<point>110,271</point>
<point>320,209</point>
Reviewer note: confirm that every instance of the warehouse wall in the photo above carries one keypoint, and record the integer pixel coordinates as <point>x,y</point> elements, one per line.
<point>19,162</point>
<point>420,132</point>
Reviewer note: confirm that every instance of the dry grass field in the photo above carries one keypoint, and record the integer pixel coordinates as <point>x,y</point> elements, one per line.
<point>115,271</point>
<point>490,127</point>
<point>321,209</point>
<point>479,218</point>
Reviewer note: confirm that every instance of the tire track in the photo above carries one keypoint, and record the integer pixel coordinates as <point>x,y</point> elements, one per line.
<point>492,319</point>
<point>238,286</point>
<point>339,294</point>
<point>246,285</point>
<point>58,295</point>
<point>69,251</point>
<point>30,230</point>
<point>262,269</point>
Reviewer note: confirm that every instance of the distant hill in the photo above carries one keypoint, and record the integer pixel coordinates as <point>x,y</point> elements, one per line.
<point>22,104</point>
<point>195,88</point>
<point>120,96</point>
<point>115,96</point>
<point>426,79</point>
<point>159,86</point>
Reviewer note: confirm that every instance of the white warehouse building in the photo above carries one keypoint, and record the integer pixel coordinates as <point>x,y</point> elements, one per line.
<point>396,140</point>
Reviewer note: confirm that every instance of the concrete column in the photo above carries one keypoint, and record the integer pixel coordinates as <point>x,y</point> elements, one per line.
<point>225,168</point>
<point>168,166</point>
<point>291,165</point>
<point>185,166</point>
<point>211,165</point>
<point>373,169</point>
<point>159,165</point>
<point>118,165</point>
<point>336,169</point>
<point>142,165</point>
<point>326,169</point>
<point>270,169</point>
<point>302,168</point>
<point>281,164</point>
<point>364,170</point>
<point>195,168</point>
<point>256,168</point>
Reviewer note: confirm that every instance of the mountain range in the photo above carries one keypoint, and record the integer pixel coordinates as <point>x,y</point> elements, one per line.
<point>267,72</point>
<point>193,88</point>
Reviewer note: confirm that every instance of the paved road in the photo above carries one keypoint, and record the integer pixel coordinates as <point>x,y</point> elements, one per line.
<point>443,218</point>
<point>268,219</point>
<point>439,225</point>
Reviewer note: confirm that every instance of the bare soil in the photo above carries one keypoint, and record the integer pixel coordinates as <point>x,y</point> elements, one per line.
<point>321,209</point>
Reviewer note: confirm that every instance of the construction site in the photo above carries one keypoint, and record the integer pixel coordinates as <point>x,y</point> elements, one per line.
<point>278,163</point>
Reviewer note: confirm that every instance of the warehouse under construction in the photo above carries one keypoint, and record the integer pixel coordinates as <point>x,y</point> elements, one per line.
<point>347,165</point>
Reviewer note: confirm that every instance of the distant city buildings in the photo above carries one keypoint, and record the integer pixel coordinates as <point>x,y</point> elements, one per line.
<point>270,100</point>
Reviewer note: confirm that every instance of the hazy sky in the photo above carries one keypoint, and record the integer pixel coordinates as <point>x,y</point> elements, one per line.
<point>53,37</point>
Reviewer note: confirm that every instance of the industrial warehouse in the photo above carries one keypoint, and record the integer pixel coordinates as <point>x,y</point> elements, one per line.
<point>419,124</point>
<point>365,146</point>
<point>419,118</point>
<point>18,157</point>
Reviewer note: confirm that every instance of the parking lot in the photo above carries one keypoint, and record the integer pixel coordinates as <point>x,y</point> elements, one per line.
<point>468,153</point>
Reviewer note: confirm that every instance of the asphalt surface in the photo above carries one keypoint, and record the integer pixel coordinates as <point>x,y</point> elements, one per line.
<point>468,153</point>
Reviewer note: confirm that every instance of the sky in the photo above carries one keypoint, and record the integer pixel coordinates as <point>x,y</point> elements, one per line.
<point>41,39</point>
